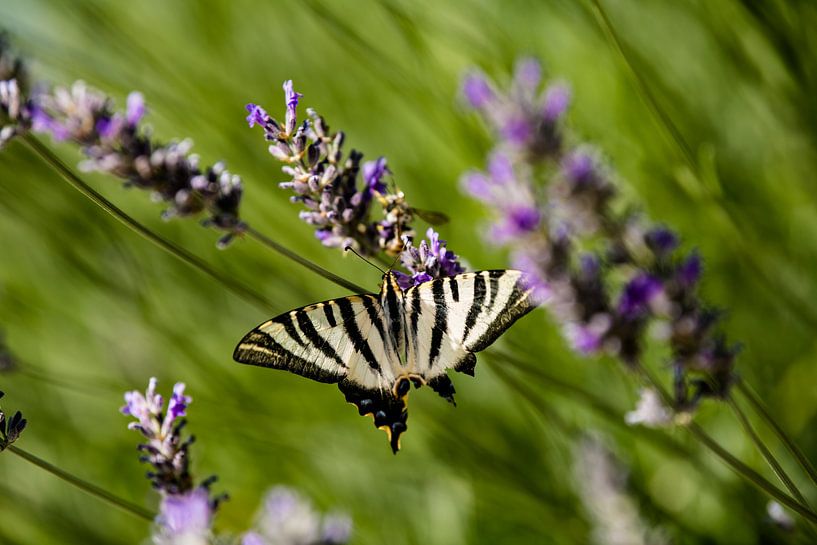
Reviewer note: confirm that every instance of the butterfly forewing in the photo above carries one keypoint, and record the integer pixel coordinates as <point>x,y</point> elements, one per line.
<point>328,342</point>
<point>462,314</point>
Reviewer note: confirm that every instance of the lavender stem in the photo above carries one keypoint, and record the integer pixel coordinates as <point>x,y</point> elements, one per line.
<point>314,267</point>
<point>790,445</point>
<point>85,486</point>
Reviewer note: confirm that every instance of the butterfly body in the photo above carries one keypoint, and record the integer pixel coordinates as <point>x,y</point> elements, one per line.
<point>375,346</point>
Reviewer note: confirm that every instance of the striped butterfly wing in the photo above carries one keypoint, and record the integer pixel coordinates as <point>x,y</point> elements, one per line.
<point>337,341</point>
<point>449,319</point>
<point>333,341</point>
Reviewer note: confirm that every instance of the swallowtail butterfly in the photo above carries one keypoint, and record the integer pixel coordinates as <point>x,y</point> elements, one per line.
<point>376,346</point>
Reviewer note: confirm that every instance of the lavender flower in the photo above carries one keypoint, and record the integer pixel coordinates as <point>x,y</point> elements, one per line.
<point>553,202</point>
<point>185,519</point>
<point>287,518</point>
<point>431,259</point>
<point>115,142</point>
<point>527,121</point>
<point>602,487</point>
<point>477,91</point>
<point>164,450</point>
<point>327,185</point>
<point>10,430</point>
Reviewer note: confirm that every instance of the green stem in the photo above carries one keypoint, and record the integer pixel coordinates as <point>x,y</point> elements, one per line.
<point>735,464</point>
<point>83,485</point>
<point>317,269</point>
<point>793,449</point>
<point>77,183</point>
<point>769,457</point>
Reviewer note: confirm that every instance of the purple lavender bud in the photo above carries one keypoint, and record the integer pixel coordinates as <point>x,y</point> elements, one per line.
<point>689,272</point>
<point>477,90</point>
<point>584,340</point>
<point>661,240</point>
<point>478,185</point>
<point>637,295</point>
<point>579,168</point>
<point>518,221</point>
<point>257,115</point>
<point>500,168</point>
<point>291,98</point>
<point>253,538</point>
<point>108,127</point>
<point>135,108</point>
<point>178,402</point>
<point>422,277</point>
<point>528,73</point>
<point>526,261</point>
<point>42,122</point>
<point>405,281</point>
<point>373,172</point>
<point>186,516</point>
<point>517,131</point>
<point>557,100</point>
<point>525,218</point>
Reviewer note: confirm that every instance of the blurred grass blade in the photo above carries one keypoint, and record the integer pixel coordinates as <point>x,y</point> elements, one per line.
<point>790,445</point>
<point>83,485</point>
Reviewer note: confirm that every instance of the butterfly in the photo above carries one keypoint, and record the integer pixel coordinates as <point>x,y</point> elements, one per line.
<point>375,346</point>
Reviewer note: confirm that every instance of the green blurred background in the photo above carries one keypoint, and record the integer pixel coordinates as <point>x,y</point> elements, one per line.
<point>92,310</point>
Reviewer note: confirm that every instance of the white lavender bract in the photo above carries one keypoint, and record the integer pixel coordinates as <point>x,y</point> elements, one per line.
<point>553,204</point>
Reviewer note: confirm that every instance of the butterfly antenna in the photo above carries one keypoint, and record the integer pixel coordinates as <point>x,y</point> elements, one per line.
<point>350,249</point>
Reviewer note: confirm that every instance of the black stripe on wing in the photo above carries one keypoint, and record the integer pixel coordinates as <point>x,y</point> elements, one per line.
<point>296,335</point>
<point>259,348</point>
<point>360,344</point>
<point>517,305</point>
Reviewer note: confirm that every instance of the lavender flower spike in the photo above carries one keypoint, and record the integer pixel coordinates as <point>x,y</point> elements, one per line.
<point>327,183</point>
<point>114,142</point>
<point>553,198</point>
<point>164,449</point>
